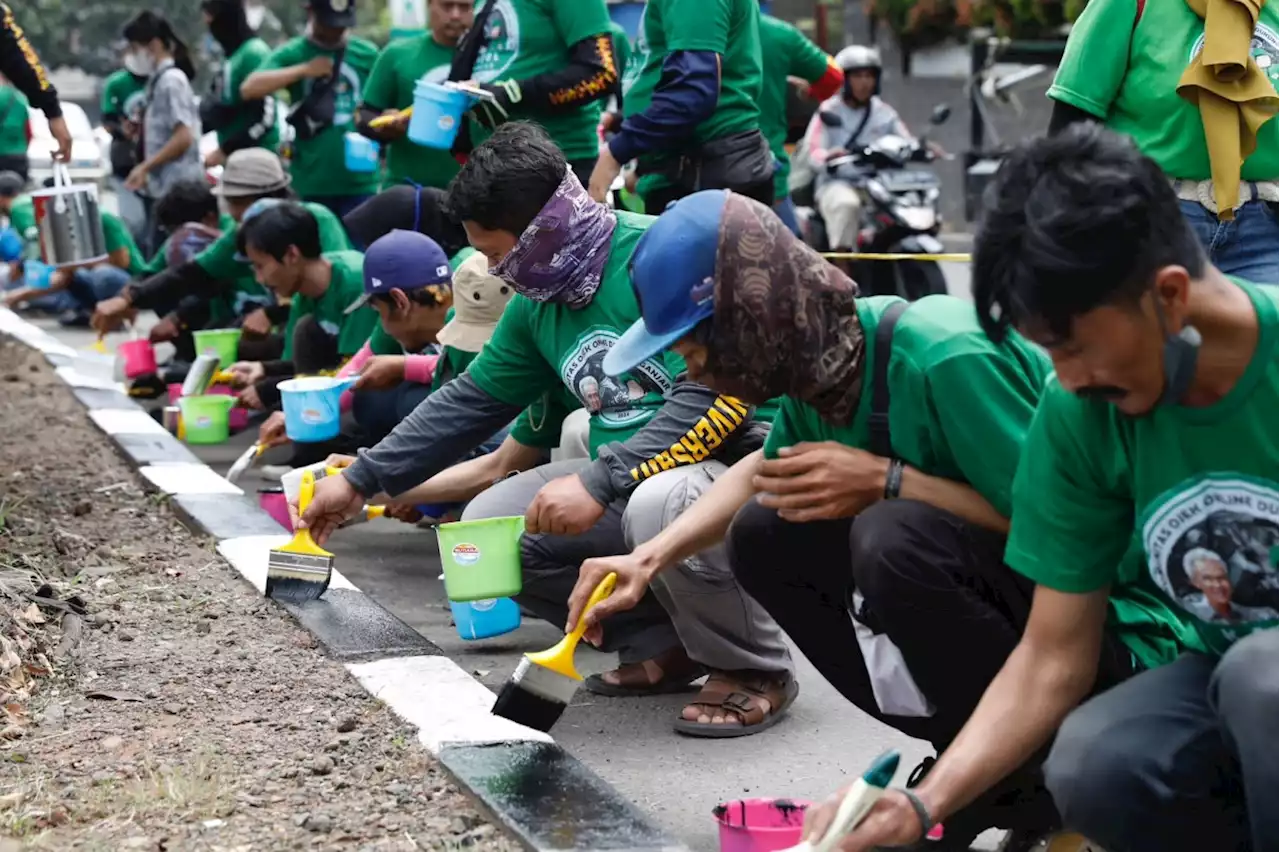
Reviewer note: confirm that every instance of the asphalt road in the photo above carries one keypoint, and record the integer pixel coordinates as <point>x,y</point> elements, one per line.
<point>822,743</point>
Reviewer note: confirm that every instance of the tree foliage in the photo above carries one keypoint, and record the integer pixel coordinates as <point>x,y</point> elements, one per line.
<point>921,22</point>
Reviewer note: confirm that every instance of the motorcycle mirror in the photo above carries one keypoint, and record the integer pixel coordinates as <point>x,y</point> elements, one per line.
<point>940,114</point>
<point>830,119</point>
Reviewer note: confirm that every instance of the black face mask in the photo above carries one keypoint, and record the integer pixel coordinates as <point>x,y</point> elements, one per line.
<point>1181,353</point>
<point>228,25</point>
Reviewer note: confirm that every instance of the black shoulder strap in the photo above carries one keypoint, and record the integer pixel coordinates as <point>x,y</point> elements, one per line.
<point>881,439</point>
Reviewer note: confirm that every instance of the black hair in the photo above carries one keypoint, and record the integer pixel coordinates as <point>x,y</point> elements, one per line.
<point>147,26</point>
<point>11,184</point>
<point>407,208</point>
<point>185,201</point>
<point>1073,222</point>
<point>508,180</point>
<point>229,24</point>
<point>425,296</point>
<point>275,229</point>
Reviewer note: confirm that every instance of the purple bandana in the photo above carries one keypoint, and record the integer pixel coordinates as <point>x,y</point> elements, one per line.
<point>562,253</point>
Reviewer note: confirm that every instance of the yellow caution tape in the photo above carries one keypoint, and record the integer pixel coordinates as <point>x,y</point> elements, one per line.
<point>860,255</point>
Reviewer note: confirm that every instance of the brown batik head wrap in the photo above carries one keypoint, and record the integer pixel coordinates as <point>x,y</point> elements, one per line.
<point>784,320</point>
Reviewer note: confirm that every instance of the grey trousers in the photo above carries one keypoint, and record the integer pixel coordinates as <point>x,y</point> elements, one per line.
<point>697,604</point>
<point>1179,757</point>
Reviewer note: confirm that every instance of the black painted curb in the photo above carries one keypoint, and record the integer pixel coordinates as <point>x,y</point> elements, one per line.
<point>537,792</point>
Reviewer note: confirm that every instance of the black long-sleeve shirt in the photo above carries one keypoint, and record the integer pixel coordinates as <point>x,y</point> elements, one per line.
<point>20,64</point>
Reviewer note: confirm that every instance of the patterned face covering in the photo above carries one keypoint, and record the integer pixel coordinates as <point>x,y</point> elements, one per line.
<point>561,255</point>
<point>784,321</point>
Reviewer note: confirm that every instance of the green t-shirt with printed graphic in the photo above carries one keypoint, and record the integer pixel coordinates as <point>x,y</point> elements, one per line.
<point>124,95</point>
<point>1127,76</point>
<point>219,261</point>
<point>532,37</point>
<point>247,58</point>
<point>13,122</point>
<point>541,346</point>
<point>1175,511</point>
<point>959,404</point>
<point>395,74</point>
<point>784,52</point>
<point>729,28</point>
<point>346,285</point>
<point>318,165</point>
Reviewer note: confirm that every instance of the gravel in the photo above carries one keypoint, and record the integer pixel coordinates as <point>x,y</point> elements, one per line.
<point>214,723</point>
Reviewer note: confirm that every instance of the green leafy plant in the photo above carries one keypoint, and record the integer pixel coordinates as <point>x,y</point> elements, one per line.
<point>919,23</point>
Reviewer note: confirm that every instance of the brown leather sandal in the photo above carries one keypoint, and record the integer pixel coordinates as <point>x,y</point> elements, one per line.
<point>758,699</point>
<point>671,671</point>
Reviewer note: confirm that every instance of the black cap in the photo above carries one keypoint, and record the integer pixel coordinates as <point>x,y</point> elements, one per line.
<point>335,13</point>
<point>11,184</point>
<point>406,208</point>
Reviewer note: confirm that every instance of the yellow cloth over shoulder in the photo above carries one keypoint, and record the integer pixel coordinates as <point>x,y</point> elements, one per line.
<point>1233,94</point>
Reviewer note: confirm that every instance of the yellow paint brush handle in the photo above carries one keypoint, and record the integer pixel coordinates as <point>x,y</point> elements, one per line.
<point>383,120</point>
<point>372,512</point>
<point>306,490</point>
<point>560,658</point>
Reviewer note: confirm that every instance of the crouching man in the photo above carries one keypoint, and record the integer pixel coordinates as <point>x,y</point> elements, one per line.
<point>882,491</point>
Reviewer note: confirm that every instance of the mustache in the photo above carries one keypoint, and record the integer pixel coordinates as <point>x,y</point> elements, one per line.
<point>1103,392</point>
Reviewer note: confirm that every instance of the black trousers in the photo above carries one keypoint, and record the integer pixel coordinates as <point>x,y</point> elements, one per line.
<point>937,586</point>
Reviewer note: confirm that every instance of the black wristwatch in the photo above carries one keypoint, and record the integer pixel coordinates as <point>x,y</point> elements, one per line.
<point>893,480</point>
<point>927,822</point>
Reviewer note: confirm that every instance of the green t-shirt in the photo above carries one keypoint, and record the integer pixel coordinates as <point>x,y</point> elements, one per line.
<point>22,218</point>
<point>318,165</point>
<point>246,59</point>
<point>532,37</point>
<point>727,27</point>
<point>540,346</point>
<point>396,72</point>
<point>124,95</point>
<point>540,424</point>
<point>959,405</point>
<point>13,122</point>
<point>219,260</point>
<point>621,48</point>
<point>1128,77</point>
<point>116,236</point>
<point>784,51</point>
<point>1175,511</point>
<point>345,286</point>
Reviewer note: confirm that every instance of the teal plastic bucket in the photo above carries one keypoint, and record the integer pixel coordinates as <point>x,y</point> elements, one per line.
<point>481,559</point>
<point>485,619</point>
<point>311,408</point>
<point>223,342</point>
<point>36,275</point>
<point>361,154</point>
<point>437,114</point>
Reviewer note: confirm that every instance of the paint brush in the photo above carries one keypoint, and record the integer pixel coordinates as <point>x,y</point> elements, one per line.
<point>855,805</point>
<point>299,571</point>
<point>544,683</point>
<point>245,461</point>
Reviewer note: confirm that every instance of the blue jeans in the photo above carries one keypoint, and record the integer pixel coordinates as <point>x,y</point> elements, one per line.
<point>786,210</point>
<point>1247,247</point>
<point>88,287</point>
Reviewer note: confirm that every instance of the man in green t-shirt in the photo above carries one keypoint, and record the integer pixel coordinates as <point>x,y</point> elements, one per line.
<point>240,122</point>
<point>567,257</point>
<point>1124,66</point>
<point>1144,508</point>
<point>889,466</point>
<point>124,97</point>
<point>692,109</point>
<point>304,66</point>
<point>390,88</point>
<point>284,247</point>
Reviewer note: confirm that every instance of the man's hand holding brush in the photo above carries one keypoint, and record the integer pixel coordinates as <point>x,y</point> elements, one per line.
<point>333,503</point>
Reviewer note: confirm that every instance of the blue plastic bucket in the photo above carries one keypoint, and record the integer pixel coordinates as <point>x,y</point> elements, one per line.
<point>11,245</point>
<point>485,619</point>
<point>36,274</point>
<point>361,154</point>
<point>311,410</point>
<point>437,114</point>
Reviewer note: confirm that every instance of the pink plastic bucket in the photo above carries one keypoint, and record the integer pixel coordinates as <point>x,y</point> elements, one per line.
<point>275,504</point>
<point>139,358</point>
<point>760,825</point>
<point>237,420</point>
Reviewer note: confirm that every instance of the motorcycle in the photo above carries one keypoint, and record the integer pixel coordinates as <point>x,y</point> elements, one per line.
<point>899,212</point>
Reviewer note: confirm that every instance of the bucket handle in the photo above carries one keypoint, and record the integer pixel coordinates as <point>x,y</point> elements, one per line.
<point>62,180</point>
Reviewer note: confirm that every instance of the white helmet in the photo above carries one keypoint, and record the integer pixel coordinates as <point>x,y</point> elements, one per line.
<point>858,56</point>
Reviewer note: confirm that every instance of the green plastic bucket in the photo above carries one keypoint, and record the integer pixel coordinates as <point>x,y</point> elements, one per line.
<point>222,342</point>
<point>481,559</point>
<point>206,419</point>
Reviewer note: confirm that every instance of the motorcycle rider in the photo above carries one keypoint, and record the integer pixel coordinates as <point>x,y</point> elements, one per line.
<point>863,118</point>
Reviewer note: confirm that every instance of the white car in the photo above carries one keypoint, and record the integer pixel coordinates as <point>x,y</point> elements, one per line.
<point>86,164</point>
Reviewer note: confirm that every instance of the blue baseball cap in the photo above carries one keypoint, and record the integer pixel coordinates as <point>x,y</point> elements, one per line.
<point>403,260</point>
<point>673,275</point>
<point>257,207</point>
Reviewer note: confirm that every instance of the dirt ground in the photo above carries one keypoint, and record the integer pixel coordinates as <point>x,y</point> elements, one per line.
<point>150,699</point>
